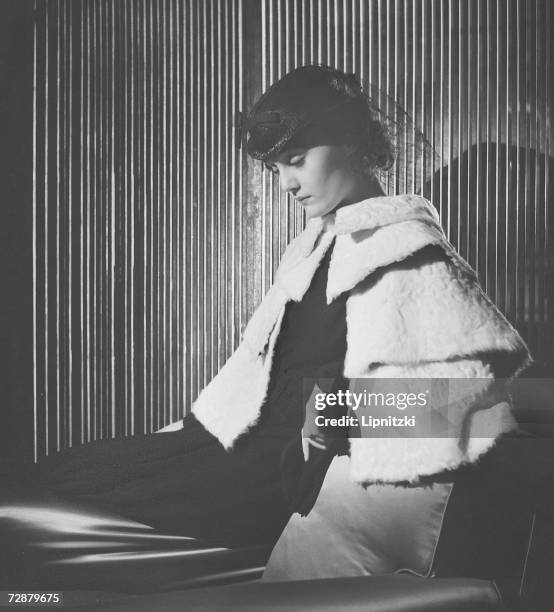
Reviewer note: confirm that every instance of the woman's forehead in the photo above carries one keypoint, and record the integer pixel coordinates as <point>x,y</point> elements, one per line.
<point>286,153</point>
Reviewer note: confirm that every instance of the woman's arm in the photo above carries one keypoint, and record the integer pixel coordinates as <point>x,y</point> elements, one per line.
<point>426,318</point>
<point>175,426</point>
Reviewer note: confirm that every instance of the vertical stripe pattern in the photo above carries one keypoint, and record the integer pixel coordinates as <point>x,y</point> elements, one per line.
<point>137,232</point>
<point>154,237</point>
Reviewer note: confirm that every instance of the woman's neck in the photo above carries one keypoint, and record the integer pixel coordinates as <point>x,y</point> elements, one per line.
<point>369,188</point>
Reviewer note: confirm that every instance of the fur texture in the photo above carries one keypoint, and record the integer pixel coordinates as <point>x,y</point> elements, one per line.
<point>406,317</point>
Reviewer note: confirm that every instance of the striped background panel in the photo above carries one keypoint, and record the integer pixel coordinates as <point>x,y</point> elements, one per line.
<point>155,237</point>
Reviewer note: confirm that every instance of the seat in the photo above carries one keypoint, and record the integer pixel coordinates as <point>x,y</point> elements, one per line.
<point>389,593</point>
<point>129,566</point>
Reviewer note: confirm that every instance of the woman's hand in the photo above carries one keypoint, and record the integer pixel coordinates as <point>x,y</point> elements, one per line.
<point>175,426</point>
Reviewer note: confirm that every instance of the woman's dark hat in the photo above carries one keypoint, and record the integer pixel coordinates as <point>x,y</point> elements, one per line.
<point>310,96</point>
<point>317,104</point>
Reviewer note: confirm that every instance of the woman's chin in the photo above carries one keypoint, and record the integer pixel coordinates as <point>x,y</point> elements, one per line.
<point>317,211</point>
<point>314,209</point>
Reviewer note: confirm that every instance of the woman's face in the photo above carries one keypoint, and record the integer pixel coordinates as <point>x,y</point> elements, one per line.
<point>319,177</point>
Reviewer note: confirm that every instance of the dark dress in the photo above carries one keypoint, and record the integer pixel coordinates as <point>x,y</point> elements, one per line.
<point>183,484</point>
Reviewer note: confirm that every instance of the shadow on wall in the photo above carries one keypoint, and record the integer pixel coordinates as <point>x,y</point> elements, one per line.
<point>512,250</point>
<point>511,247</point>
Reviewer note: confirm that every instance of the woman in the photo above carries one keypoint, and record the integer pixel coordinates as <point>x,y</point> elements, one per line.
<point>450,501</point>
<point>250,455</point>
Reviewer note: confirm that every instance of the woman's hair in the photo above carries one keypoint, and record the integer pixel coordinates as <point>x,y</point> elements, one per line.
<point>317,104</point>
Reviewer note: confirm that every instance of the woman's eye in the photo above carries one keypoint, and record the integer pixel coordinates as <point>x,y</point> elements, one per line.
<point>296,161</point>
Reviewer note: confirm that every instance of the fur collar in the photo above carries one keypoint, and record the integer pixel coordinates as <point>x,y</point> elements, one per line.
<point>432,320</point>
<point>369,234</point>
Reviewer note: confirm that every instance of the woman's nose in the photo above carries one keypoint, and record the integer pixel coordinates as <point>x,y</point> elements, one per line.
<point>289,182</point>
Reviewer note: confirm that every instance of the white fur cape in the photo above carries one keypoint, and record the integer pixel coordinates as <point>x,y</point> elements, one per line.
<point>431,320</point>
